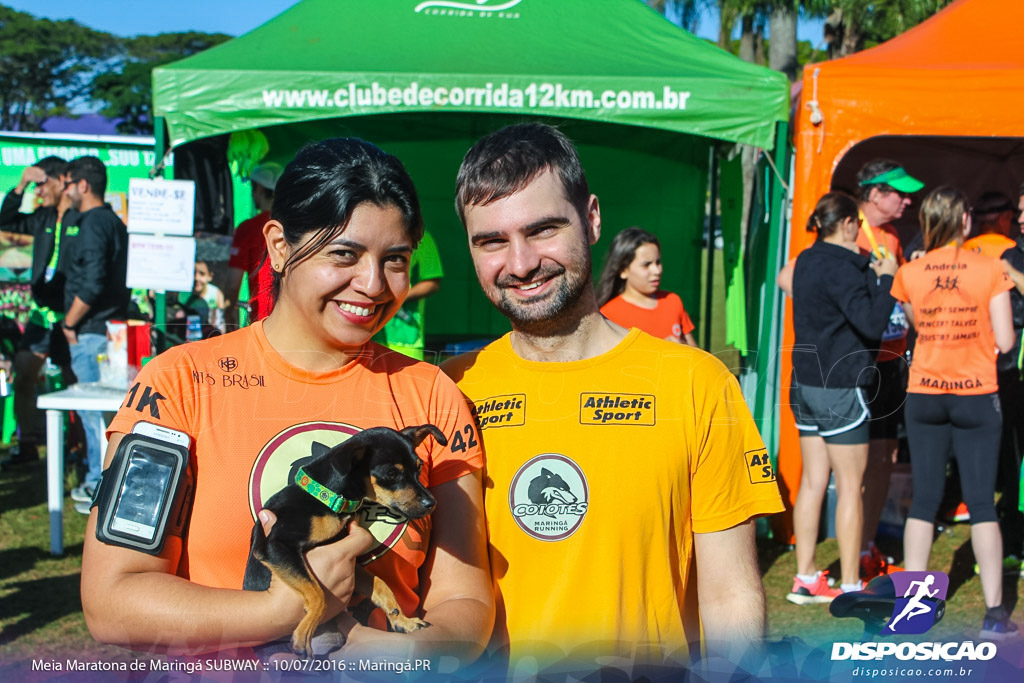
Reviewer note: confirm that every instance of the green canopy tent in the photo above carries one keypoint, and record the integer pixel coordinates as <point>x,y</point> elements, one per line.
<point>643,99</point>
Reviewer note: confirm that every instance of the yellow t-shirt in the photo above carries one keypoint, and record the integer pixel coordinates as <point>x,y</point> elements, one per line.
<point>599,472</point>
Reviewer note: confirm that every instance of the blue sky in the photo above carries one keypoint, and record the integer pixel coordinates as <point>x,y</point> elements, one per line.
<point>233,17</point>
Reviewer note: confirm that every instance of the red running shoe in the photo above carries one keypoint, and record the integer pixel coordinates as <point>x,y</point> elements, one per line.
<point>873,564</point>
<point>810,593</point>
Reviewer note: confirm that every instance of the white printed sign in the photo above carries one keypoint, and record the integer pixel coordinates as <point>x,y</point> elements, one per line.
<point>161,263</point>
<point>161,207</point>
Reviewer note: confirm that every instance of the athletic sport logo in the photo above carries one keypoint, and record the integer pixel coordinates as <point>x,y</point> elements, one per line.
<point>920,597</point>
<point>549,497</point>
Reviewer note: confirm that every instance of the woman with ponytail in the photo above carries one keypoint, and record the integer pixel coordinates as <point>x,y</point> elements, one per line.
<point>959,302</point>
<point>841,306</point>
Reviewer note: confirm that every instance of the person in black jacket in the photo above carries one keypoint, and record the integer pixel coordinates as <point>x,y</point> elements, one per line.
<point>42,337</point>
<point>841,306</point>
<point>95,265</point>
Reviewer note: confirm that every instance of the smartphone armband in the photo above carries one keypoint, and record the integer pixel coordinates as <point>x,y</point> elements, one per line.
<point>145,494</point>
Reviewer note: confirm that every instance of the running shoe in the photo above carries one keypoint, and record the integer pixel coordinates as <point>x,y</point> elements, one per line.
<point>810,593</point>
<point>873,564</point>
<point>82,494</point>
<point>998,629</point>
<point>960,514</point>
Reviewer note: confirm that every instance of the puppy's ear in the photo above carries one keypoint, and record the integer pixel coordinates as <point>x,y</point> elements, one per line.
<point>417,434</point>
<point>316,449</point>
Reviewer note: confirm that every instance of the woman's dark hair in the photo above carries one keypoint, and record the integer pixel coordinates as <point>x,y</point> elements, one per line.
<point>323,185</point>
<point>942,217</point>
<point>620,255</point>
<point>830,212</point>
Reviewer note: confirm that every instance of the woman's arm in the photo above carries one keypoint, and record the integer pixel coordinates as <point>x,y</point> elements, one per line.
<point>458,600</point>
<point>136,600</point>
<point>1001,315</point>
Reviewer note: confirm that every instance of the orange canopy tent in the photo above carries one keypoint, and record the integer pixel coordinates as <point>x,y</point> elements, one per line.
<point>945,99</point>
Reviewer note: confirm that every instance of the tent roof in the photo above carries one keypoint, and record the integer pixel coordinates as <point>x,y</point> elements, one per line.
<point>616,61</point>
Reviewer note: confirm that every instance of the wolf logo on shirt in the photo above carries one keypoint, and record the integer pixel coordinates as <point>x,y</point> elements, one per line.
<point>550,488</point>
<point>549,497</point>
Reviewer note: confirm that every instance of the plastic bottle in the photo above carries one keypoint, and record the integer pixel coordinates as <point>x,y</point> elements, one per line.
<point>193,328</point>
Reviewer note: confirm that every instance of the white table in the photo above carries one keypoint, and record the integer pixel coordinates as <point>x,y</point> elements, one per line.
<point>82,396</point>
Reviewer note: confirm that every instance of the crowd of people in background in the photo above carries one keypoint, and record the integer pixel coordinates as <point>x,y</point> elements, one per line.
<point>951,314</point>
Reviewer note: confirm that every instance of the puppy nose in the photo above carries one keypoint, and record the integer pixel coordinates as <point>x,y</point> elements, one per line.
<point>428,503</point>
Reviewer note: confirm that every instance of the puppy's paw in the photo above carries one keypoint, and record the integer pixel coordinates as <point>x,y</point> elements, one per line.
<point>403,624</point>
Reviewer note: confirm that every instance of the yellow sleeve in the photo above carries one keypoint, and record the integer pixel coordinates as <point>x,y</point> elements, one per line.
<point>731,476</point>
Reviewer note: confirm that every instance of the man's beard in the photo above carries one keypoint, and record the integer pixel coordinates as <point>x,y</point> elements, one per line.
<point>554,312</point>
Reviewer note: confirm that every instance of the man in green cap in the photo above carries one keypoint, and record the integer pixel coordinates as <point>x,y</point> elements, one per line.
<point>884,188</point>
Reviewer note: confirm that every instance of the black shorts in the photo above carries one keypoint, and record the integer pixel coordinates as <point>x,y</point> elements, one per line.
<point>887,395</point>
<point>840,416</point>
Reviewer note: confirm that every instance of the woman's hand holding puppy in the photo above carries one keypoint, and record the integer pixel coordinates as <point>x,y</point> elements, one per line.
<point>333,565</point>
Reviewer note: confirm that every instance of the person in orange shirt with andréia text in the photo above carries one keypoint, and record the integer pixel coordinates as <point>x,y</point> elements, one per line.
<point>960,306</point>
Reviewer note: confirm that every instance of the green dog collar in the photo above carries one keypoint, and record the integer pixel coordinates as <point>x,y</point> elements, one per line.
<point>326,496</point>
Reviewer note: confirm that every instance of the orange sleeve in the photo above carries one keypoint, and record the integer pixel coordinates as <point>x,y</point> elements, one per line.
<point>163,393</point>
<point>684,317</point>
<point>449,412</point>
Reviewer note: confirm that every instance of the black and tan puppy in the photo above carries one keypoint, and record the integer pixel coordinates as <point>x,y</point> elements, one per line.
<point>324,494</point>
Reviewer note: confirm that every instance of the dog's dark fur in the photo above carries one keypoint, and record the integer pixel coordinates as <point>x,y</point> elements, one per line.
<point>378,465</point>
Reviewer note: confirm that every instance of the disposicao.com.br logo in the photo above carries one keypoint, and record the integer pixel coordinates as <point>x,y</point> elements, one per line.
<point>902,603</point>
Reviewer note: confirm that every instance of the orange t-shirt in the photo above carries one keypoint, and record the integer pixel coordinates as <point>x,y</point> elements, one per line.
<point>668,318</point>
<point>888,241</point>
<point>949,290</point>
<point>251,414</point>
<point>991,244</point>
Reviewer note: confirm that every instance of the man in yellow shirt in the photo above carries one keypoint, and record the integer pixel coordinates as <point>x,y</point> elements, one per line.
<point>623,471</point>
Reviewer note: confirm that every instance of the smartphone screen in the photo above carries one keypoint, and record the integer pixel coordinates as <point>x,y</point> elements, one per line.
<point>143,494</point>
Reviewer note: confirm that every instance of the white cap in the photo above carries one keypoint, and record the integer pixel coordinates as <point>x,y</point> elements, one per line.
<point>266,175</point>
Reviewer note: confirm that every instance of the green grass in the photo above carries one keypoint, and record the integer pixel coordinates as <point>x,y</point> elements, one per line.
<point>40,607</point>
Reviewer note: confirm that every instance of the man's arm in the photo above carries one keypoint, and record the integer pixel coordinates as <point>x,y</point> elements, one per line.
<point>73,318</point>
<point>729,590</point>
<point>421,290</point>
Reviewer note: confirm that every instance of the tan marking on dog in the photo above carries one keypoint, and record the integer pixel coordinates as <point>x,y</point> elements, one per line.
<point>324,528</point>
<point>404,499</point>
<point>313,601</point>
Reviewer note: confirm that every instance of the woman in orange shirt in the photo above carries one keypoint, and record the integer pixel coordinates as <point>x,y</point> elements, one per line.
<point>254,402</point>
<point>628,292</point>
<point>959,302</point>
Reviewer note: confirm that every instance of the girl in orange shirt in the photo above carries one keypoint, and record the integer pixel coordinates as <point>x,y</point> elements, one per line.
<point>628,293</point>
<point>959,302</point>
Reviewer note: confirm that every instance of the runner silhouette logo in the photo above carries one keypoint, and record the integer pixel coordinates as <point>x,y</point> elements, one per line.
<point>919,598</point>
<point>901,603</point>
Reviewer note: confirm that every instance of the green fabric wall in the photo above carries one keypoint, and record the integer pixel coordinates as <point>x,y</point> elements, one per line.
<point>654,179</point>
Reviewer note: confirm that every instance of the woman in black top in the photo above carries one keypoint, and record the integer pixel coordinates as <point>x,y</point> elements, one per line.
<point>841,306</point>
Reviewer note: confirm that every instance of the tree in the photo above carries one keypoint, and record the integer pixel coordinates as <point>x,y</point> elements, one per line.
<point>126,90</point>
<point>44,66</point>
<point>853,25</point>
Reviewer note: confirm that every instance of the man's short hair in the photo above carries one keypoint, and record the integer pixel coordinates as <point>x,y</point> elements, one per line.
<point>53,167</point>
<point>506,161</point>
<point>872,169</point>
<point>92,171</point>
